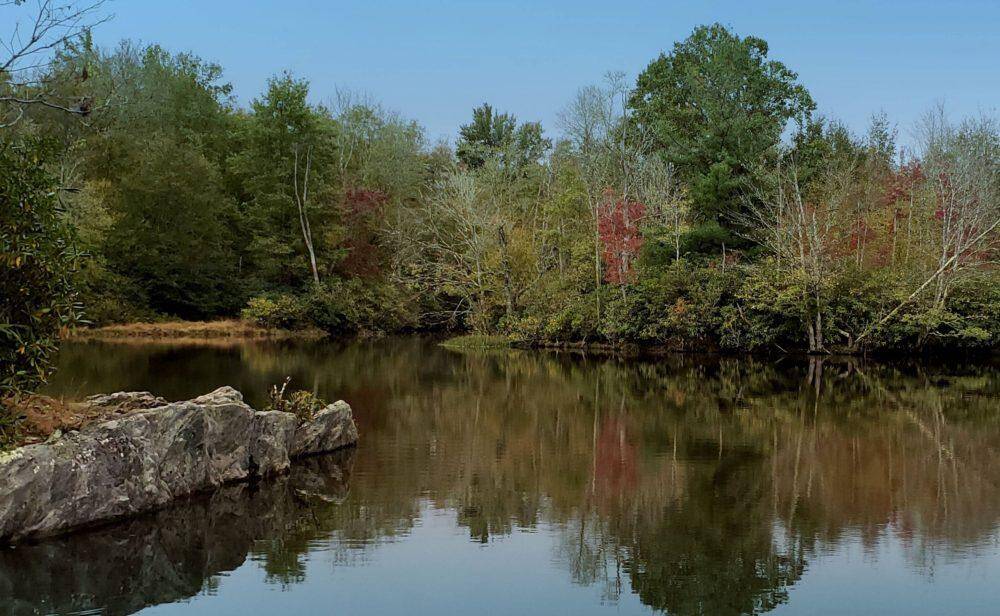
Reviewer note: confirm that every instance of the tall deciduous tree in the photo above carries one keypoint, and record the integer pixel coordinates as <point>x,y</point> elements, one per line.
<point>285,167</point>
<point>152,165</point>
<point>172,236</point>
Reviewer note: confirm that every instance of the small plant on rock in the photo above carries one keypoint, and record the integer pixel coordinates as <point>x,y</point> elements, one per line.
<point>301,403</point>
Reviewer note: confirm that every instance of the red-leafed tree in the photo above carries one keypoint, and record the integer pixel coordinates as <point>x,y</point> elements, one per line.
<point>901,187</point>
<point>901,184</point>
<point>363,210</point>
<point>621,237</point>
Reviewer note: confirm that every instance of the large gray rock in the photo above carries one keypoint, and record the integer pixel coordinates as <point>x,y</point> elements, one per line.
<point>173,553</point>
<point>126,401</point>
<point>143,460</point>
<point>331,428</point>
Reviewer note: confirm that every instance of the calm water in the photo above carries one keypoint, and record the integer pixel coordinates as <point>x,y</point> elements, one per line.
<point>532,483</point>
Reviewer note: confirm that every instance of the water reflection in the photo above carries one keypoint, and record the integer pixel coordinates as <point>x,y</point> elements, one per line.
<point>701,485</point>
<point>176,553</point>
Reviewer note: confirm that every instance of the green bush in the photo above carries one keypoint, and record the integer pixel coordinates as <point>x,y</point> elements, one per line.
<point>38,299</point>
<point>300,403</point>
<point>678,305</point>
<point>337,307</point>
<point>557,309</point>
<point>276,312</point>
<point>970,319</point>
<point>9,424</point>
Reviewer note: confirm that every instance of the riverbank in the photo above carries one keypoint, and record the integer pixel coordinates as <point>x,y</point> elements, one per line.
<point>179,331</point>
<point>631,350</point>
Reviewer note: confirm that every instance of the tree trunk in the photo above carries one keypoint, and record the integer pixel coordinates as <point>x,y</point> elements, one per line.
<point>301,200</point>
<point>819,332</point>
<point>508,284</point>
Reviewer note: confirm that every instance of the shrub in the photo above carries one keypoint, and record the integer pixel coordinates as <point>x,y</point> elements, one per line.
<point>677,305</point>
<point>337,307</point>
<point>300,403</point>
<point>276,312</point>
<point>38,300</point>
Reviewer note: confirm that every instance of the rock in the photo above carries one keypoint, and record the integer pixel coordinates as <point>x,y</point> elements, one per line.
<point>142,460</point>
<point>331,428</point>
<point>125,401</point>
<point>176,552</point>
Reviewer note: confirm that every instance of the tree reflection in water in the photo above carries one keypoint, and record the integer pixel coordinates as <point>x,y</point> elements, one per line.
<point>703,484</point>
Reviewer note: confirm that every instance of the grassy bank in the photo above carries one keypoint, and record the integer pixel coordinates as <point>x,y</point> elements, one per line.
<point>477,342</point>
<point>193,330</point>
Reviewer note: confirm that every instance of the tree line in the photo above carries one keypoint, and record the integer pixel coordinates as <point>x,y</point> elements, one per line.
<point>705,205</point>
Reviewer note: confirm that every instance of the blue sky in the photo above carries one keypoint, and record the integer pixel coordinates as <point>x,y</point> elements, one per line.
<point>434,61</point>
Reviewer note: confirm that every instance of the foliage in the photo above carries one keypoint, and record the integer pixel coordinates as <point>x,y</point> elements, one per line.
<point>10,423</point>
<point>499,137</point>
<point>38,260</point>
<point>286,150</point>
<point>275,312</point>
<point>172,234</point>
<point>621,237</point>
<point>336,307</point>
<point>718,106</point>
<point>671,214</point>
<point>303,404</point>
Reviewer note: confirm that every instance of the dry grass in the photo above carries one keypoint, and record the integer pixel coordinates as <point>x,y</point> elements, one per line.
<point>192,331</point>
<point>477,342</point>
<point>35,417</point>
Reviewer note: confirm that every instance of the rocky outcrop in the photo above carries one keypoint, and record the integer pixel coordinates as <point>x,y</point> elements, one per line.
<point>331,428</point>
<point>173,553</point>
<point>152,455</point>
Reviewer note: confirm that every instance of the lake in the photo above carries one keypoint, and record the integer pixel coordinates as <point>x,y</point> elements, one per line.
<point>517,482</point>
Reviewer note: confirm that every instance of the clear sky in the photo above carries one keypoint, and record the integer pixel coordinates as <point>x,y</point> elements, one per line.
<point>435,61</point>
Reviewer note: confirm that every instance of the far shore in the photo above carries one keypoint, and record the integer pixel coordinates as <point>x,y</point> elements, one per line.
<point>179,331</point>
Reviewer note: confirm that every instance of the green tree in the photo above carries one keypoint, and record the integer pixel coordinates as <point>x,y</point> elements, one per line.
<point>284,165</point>
<point>718,107</point>
<point>172,236</point>
<point>148,169</point>
<point>498,136</point>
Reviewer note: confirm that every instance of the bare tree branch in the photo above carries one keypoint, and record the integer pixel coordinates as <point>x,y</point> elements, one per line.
<point>28,54</point>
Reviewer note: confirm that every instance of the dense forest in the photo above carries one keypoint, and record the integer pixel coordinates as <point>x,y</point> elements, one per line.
<point>705,205</point>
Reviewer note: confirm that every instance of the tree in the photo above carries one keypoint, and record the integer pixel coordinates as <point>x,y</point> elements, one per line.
<point>961,167</point>
<point>804,228</point>
<point>149,178</point>
<point>284,167</point>
<point>718,107</point>
<point>172,235</point>
<point>964,166</point>
<point>498,136</point>
<point>37,254</point>
<point>612,151</point>
<point>667,200</point>
<point>619,227</point>
<point>383,170</point>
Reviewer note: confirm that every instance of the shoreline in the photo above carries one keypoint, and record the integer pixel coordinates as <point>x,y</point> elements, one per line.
<point>190,332</point>
<point>235,331</point>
